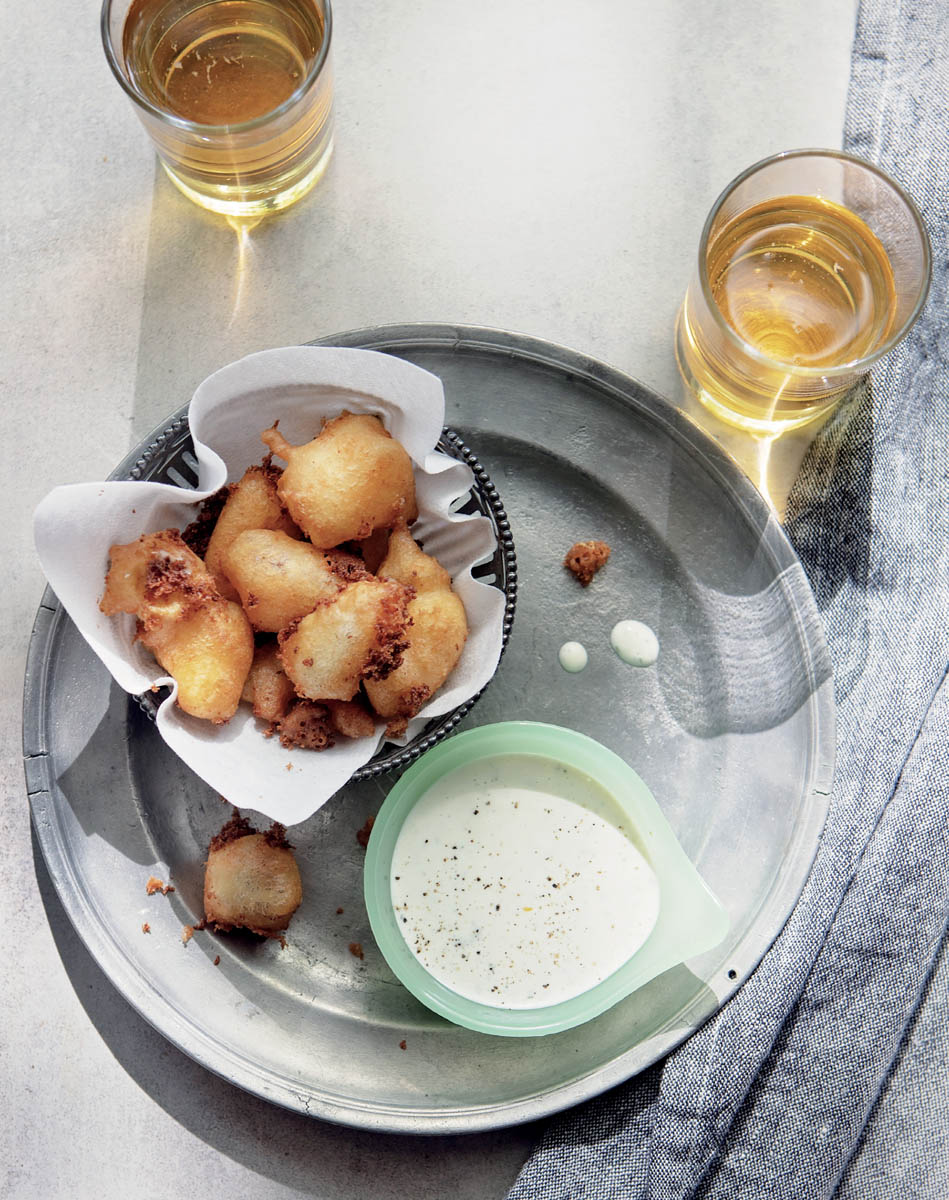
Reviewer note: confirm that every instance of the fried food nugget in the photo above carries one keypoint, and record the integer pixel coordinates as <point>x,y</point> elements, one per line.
<point>267,687</point>
<point>311,726</point>
<point>154,560</point>
<point>437,635</point>
<point>358,634</point>
<point>350,480</point>
<point>277,578</point>
<point>252,503</point>
<point>351,718</point>
<point>208,650</point>
<point>202,640</point>
<point>251,880</point>
<point>306,726</point>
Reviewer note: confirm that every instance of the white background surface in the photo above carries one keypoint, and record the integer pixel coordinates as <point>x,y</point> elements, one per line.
<point>539,166</point>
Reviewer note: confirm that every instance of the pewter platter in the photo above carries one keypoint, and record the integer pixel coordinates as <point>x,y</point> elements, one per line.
<point>732,729</point>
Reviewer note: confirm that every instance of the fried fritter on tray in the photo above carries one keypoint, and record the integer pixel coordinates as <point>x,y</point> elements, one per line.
<point>358,634</point>
<point>251,880</point>
<point>350,480</point>
<point>204,641</point>
<point>437,634</point>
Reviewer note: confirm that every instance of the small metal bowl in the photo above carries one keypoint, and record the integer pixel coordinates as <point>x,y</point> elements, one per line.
<point>168,457</point>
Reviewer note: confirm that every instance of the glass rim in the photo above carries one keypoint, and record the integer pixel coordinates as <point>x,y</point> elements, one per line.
<point>115,62</point>
<point>839,369</point>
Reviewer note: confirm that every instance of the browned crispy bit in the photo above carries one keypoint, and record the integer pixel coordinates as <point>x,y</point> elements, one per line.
<point>217,960</point>
<point>402,1044</point>
<point>584,559</point>
<point>397,727</point>
<point>146,928</point>
<point>355,949</point>
<point>306,726</point>
<point>155,885</point>
<point>197,535</point>
<point>391,639</point>
<point>346,566</point>
<point>276,836</point>
<point>187,933</point>
<point>362,835</point>
<point>236,827</point>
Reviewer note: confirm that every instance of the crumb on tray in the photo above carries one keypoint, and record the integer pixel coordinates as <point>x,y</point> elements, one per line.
<point>584,559</point>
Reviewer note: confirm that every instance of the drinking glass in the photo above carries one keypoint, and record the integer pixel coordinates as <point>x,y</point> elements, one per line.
<point>812,265</point>
<point>235,94</point>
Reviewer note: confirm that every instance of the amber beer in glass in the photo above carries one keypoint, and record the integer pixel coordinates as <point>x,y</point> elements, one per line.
<point>235,94</point>
<point>812,265</point>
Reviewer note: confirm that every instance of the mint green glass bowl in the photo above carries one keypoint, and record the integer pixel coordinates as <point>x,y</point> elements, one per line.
<point>690,920</point>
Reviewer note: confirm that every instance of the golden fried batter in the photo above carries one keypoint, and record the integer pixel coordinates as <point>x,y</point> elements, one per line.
<point>277,578</point>
<point>202,640</point>
<point>437,634</point>
<point>267,687</point>
<point>351,718</point>
<point>208,650</point>
<point>252,503</point>
<point>358,634</point>
<point>156,560</point>
<point>350,480</point>
<point>251,881</point>
<point>307,726</point>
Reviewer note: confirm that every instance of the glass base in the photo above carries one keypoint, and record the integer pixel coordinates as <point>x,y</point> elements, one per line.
<point>753,417</point>
<point>249,205</point>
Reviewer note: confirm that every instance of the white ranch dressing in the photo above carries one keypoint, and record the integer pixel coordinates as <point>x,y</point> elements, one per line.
<point>635,643</point>
<point>516,883</point>
<point>572,657</point>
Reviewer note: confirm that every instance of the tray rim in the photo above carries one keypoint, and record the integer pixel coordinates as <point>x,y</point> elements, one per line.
<point>152,1005</point>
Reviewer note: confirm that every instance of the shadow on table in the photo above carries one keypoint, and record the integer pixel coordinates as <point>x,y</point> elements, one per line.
<point>818,481</point>
<point>289,1148</point>
<point>829,522</point>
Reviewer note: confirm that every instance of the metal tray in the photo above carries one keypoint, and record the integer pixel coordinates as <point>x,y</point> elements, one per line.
<point>732,729</point>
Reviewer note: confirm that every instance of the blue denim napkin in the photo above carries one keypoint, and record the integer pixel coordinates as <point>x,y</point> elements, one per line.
<point>828,1073</point>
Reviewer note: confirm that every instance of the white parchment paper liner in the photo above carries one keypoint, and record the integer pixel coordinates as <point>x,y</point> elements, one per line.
<point>74,527</point>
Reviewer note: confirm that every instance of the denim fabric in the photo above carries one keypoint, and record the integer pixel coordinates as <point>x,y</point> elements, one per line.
<point>828,1073</point>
